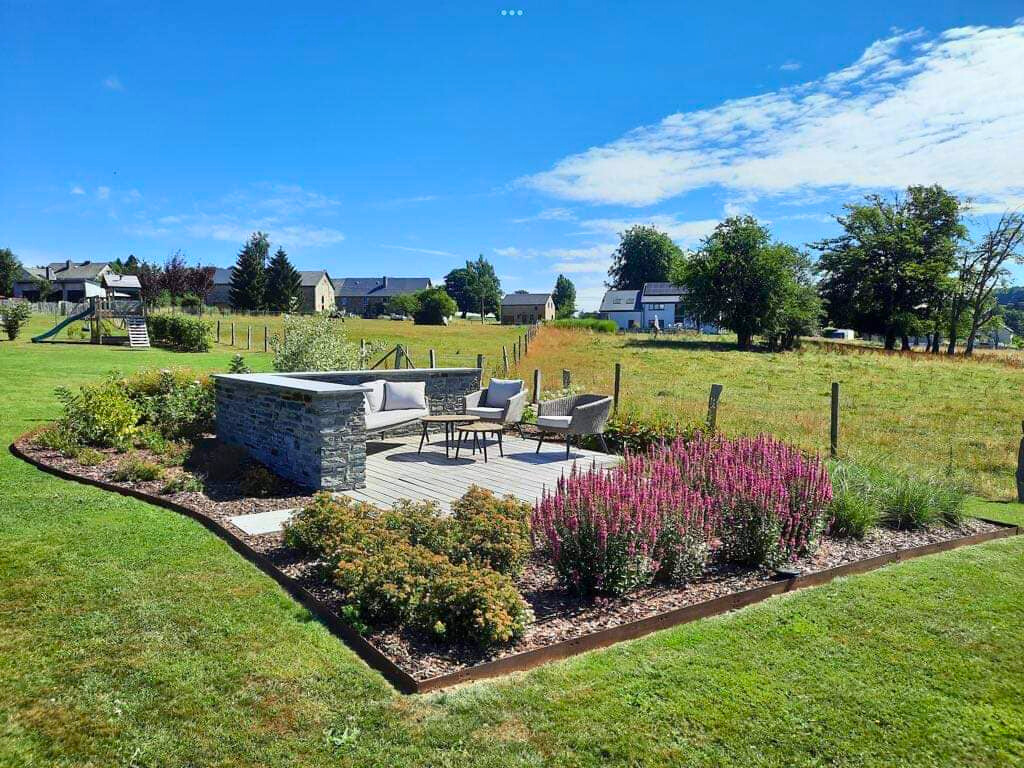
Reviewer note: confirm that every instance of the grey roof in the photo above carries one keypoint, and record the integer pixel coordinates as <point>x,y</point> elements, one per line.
<point>114,280</point>
<point>310,278</point>
<point>521,299</point>
<point>620,301</point>
<point>222,276</point>
<point>68,270</point>
<point>379,286</point>
<point>662,289</point>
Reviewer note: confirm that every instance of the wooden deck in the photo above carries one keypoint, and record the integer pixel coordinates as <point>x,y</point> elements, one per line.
<point>394,470</point>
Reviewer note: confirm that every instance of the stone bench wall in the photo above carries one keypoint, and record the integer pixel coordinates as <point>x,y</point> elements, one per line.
<point>310,427</point>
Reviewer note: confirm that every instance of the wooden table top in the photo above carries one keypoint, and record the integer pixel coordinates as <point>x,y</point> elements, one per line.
<point>481,426</point>
<point>441,418</point>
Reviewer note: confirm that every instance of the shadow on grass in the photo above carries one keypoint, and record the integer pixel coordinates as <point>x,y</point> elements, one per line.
<point>690,345</point>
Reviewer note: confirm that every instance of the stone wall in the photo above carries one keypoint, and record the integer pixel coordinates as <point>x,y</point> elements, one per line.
<point>310,427</point>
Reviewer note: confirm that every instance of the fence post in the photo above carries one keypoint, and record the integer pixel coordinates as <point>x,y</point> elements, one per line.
<point>362,352</point>
<point>526,344</point>
<point>248,337</point>
<point>480,363</point>
<point>398,356</point>
<point>504,357</point>
<point>716,392</point>
<point>833,441</point>
<point>433,358</point>
<point>1020,469</point>
<point>536,385</point>
<point>218,331</point>
<point>232,333</point>
<point>266,342</point>
<point>566,378</point>
<point>618,381</point>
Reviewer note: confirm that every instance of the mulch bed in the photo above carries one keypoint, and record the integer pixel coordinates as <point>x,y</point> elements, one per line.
<point>560,615</point>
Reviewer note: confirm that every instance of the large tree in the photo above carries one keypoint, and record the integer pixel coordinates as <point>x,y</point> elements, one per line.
<point>983,271</point>
<point>200,281</point>
<point>644,255</point>
<point>10,270</point>
<point>483,285</point>
<point>284,284</point>
<point>456,285</point>
<point>175,276</point>
<point>249,275</point>
<point>890,271</point>
<point>750,285</point>
<point>564,297</point>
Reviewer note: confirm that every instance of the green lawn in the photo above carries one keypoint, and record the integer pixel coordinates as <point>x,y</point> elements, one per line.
<point>920,411</point>
<point>130,636</point>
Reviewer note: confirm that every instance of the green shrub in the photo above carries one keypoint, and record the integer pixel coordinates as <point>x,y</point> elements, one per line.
<point>183,482</point>
<point>179,404</point>
<point>151,439</point>
<point>856,507</point>
<point>238,365</point>
<point>477,605</point>
<point>634,433</point>
<point>99,415</point>
<point>489,531</point>
<point>586,324</point>
<point>181,332</point>
<point>58,439</point>
<point>314,343</point>
<point>13,317</point>
<point>90,457</point>
<point>259,481</point>
<point>133,469</point>
<point>909,503</point>
<point>434,306</point>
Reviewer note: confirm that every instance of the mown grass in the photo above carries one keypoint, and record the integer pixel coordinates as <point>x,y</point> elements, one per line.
<point>130,636</point>
<point>916,411</point>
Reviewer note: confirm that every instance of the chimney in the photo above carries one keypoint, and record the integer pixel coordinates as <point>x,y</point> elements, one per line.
<point>67,264</point>
<point>385,281</point>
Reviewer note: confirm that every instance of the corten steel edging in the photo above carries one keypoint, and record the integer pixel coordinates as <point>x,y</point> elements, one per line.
<point>519,662</point>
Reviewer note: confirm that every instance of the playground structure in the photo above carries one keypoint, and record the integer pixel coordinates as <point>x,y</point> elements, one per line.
<point>103,313</point>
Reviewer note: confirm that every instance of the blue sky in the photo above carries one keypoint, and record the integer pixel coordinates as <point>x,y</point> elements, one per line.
<point>400,138</point>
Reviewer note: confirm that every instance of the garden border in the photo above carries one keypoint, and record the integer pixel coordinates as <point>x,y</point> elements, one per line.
<point>519,662</point>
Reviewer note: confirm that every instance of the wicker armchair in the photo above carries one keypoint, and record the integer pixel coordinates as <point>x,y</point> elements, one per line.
<point>577,415</point>
<point>511,412</point>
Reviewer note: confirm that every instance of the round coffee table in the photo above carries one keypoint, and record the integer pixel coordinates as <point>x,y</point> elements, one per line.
<point>480,429</point>
<point>449,420</point>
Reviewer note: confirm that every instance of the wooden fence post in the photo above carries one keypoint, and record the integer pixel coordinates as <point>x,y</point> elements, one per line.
<point>536,385</point>
<point>480,363</point>
<point>362,352</point>
<point>248,337</point>
<point>1020,469</point>
<point>398,356</point>
<point>218,331</point>
<point>833,432</point>
<point>615,391</point>
<point>526,344</point>
<point>433,358</point>
<point>504,357</point>
<point>716,392</point>
<point>232,333</point>
<point>566,378</point>
<point>266,341</point>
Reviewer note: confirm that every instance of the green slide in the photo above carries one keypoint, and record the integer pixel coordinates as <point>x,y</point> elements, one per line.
<point>63,324</point>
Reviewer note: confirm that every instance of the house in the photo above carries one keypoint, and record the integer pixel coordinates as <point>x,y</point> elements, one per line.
<point>661,303</point>
<point>369,295</point>
<point>996,338</point>
<point>220,294</point>
<point>69,281</point>
<point>317,291</point>
<point>523,308</point>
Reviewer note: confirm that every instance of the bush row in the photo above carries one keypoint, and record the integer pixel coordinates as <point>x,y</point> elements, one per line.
<point>451,577</point>
<point>181,332</point>
<point>586,324</point>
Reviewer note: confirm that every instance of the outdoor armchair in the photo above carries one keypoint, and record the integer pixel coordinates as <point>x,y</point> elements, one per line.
<point>502,401</point>
<point>577,415</point>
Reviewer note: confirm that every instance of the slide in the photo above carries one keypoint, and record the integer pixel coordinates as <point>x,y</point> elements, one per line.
<point>63,324</point>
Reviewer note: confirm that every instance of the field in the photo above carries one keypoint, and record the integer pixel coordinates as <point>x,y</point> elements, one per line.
<point>132,637</point>
<point>912,410</point>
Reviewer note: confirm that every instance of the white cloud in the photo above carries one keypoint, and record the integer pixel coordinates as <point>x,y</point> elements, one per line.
<point>549,214</point>
<point>113,83</point>
<point>511,252</point>
<point>790,66</point>
<point>77,190</point>
<point>948,110</point>
<point>422,250</point>
<point>103,192</point>
<point>279,199</point>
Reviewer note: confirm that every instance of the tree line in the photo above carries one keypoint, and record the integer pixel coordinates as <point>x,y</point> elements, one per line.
<point>903,266</point>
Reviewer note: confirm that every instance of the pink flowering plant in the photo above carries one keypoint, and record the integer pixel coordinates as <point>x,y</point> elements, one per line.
<point>659,514</point>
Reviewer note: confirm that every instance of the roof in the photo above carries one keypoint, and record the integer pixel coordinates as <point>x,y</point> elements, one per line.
<point>522,299</point>
<point>222,276</point>
<point>620,301</point>
<point>114,280</point>
<point>379,286</point>
<point>662,289</point>
<point>311,278</point>
<point>66,270</point>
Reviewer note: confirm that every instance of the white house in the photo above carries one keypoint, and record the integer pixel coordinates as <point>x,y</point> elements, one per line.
<point>655,302</point>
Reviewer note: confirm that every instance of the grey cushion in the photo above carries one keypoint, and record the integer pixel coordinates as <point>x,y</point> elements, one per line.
<point>555,422</point>
<point>383,419</point>
<point>401,395</point>
<point>500,390</point>
<point>374,399</point>
<point>490,414</point>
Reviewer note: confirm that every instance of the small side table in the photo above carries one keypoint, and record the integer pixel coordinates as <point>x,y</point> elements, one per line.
<point>479,430</point>
<point>449,420</point>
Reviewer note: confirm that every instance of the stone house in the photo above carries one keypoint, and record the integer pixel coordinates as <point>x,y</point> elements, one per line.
<point>527,308</point>
<point>368,296</point>
<point>317,291</point>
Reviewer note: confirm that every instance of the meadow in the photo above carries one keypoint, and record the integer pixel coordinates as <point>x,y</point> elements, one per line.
<point>131,636</point>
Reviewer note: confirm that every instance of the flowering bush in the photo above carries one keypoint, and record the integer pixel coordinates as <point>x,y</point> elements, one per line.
<point>314,343</point>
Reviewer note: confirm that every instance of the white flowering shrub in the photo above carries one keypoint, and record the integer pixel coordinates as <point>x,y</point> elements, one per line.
<point>314,343</point>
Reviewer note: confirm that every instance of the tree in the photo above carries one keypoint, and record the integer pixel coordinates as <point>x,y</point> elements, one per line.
<point>435,307</point>
<point>10,270</point>
<point>43,287</point>
<point>284,284</point>
<point>564,297</point>
<point>200,281</point>
<point>150,281</point>
<point>404,304</point>
<point>483,285</point>
<point>889,272</point>
<point>13,317</point>
<point>750,285</point>
<point>249,275</point>
<point>174,278</point>
<point>456,285</point>
<point>984,270</point>
<point>644,255</point>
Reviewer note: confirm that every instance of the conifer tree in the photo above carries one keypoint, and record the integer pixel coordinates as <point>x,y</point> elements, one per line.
<point>284,284</point>
<point>249,275</point>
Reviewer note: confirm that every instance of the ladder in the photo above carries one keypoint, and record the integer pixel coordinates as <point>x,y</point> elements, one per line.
<point>138,336</point>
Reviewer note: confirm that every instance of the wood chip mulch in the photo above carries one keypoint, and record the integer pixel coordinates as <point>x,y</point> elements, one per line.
<point>559,614</point>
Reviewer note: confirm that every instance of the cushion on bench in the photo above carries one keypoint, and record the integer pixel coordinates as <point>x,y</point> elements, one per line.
<point>500,390</point>
<point>402,395</point>
<point>384,419</point>
<point>554,422</point>
<point>488,414</point>
<point>374,399</point>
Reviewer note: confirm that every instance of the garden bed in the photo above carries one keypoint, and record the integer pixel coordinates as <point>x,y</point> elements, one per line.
<point>564,623</point>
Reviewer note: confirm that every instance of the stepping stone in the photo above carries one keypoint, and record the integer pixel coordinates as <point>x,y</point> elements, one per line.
<point>263,522</point>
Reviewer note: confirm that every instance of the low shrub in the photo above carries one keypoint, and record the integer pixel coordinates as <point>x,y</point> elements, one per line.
<point>183,482</point>
<point>178,404</point>
<point>386,566</point>
<point>150,438</point>
<point>181,332</point>
<point>490,531</point>
<point>629,432</point>
<point>14,317</point>
<point>258,481</point>
<point>134,469</point>
<point>90,457</point>
<point>238,365</point>
<point>100,415</point>
<point>58,439</point>
<point>314,343</point>
<point>586,324</point>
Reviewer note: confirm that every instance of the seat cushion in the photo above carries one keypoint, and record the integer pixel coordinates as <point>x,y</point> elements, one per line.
<point>488,414</point>
<point>402,395</point>
<point>554,422</point>
<point>374,399</point>
<point>500,390</point>
<point>383,419</point>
